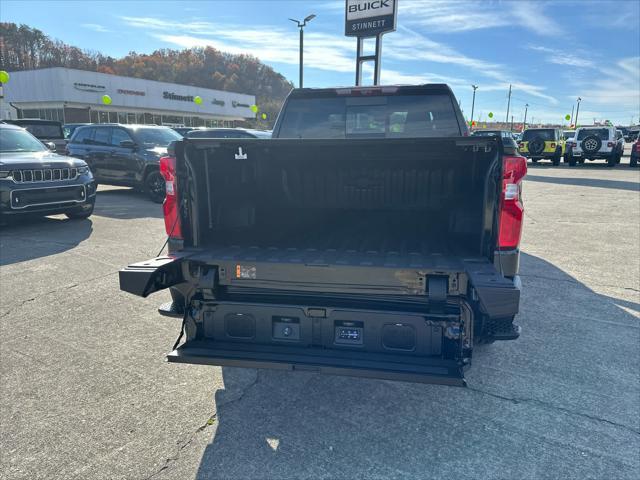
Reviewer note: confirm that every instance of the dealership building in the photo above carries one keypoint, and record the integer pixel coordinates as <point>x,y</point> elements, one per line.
<point>76,96</point>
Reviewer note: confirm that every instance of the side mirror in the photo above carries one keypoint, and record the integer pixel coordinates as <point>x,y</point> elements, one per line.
<point>128,144</point>
<point>51,146</point>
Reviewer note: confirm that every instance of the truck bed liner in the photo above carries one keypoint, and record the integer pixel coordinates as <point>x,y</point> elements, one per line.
<point>346,242</point>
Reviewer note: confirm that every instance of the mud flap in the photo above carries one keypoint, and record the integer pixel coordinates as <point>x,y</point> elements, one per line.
<point>356,364</point>
<point>144,278</point>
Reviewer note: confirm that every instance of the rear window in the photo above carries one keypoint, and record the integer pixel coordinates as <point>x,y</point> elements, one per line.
<point>82,135</point>
<point>603,133</point>
<point>370,117</point>
<point>43,130</point>
<point>545,134</point>
<point>218,134</point>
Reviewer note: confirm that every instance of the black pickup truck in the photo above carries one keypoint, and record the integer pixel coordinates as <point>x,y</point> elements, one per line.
<point>372,236</point>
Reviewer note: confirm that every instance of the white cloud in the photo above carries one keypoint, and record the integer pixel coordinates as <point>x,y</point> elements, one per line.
<point>446,16</point>
<point>531,16</point>
<point>95,27</point>
<point>337,53</point>
<point>560,57</point>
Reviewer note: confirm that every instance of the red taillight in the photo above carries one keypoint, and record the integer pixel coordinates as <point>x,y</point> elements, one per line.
<point>511,208</point>
<point>553,145</point>
<point>170,205</point>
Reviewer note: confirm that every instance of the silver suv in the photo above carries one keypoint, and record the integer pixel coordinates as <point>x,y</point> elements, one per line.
<point>593,143</point>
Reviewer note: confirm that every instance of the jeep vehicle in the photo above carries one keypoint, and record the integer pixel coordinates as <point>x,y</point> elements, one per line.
<point>126,155</point>
<point>543,143</point>
<point>36,181</point>
<point>597,142</point>
<point>47,131</point>
<point>372,236</point>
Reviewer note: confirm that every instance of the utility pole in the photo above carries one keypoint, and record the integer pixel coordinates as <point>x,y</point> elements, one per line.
<point>473,103</point>
<point>524,124</point>
<point>572,108</point>
<point>508,105</point>
<point>578,111</point>
<point>301,26</point>
<point>511,123</point>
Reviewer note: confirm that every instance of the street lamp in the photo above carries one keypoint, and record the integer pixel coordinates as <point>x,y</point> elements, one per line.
<point>577,111</point>
<point>301,25</point>
<point>524,124</point>
<point>473,103</point>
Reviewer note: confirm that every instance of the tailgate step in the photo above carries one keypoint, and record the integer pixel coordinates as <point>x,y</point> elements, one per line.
<point>350,363</point>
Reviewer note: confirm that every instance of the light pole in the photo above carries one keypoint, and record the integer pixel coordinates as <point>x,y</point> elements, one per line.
<point>524,124</point>
<point>577,111</point>
<point>301,26</point>
<point>573,107</point>
<point>473,104</point>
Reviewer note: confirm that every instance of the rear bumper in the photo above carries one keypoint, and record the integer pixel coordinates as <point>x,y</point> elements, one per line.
<point>356,364</point>
<point>592,156</point>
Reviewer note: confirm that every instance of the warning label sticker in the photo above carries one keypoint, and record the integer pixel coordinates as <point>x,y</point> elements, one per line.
<point>245,271</point>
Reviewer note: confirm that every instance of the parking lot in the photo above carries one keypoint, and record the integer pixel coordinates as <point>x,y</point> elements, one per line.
<point>86,393</point>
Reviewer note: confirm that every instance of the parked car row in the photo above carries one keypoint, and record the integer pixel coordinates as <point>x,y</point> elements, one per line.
<point>572,146</point>
<point>42,172</point>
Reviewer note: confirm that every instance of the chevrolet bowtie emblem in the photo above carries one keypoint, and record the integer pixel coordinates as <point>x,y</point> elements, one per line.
<point>240,155</point>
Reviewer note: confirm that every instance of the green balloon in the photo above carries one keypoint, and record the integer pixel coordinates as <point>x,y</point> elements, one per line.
<point>198,100</point>
<point>106,99</point>
<point>567,117</point>
<point>254,108</point>
<point>490,114</point>
<point>264,116</point>
<point>4,77</point>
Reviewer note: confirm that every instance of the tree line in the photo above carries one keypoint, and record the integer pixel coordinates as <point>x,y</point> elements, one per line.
<point>26,48</point>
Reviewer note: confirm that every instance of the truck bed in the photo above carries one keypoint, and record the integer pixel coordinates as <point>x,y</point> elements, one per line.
<point>347,244</point>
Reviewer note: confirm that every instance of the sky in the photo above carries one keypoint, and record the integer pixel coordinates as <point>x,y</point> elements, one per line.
<point>551,52</point>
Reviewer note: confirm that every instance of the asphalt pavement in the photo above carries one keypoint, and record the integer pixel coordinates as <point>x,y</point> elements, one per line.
<point>85,392</point>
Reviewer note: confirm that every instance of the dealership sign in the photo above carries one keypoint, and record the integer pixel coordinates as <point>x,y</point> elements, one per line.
<point>89,87</point>
<point>368,18</point>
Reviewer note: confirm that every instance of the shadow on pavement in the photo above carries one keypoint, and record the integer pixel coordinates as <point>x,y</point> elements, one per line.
<point>560,401</point>
<point>586,182</point>
<point>126,203</point>
<point>33,237</point>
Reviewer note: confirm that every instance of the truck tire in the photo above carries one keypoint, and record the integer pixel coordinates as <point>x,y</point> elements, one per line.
<point>154,185</point>
<point>536,145</point>
<point>633,162</point>
<point>556,158</point>
<point>611,160</point>
<point>572,161</point>
<point>591,144</point>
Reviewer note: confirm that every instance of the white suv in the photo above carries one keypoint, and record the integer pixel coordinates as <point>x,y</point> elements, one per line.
<point>591,143</point>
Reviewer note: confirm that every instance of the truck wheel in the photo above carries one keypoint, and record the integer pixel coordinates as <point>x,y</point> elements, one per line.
<point>154,185</point>
<point>572,161</point>
<point>535,160</point>
<point>611,160</point>
<point>633,162</point>
<point>556,158</point>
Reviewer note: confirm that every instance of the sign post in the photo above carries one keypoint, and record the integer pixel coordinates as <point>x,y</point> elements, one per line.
<point>369,19</point>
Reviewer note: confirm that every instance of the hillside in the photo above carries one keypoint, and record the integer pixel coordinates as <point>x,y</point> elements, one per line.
<point>26,48</point>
